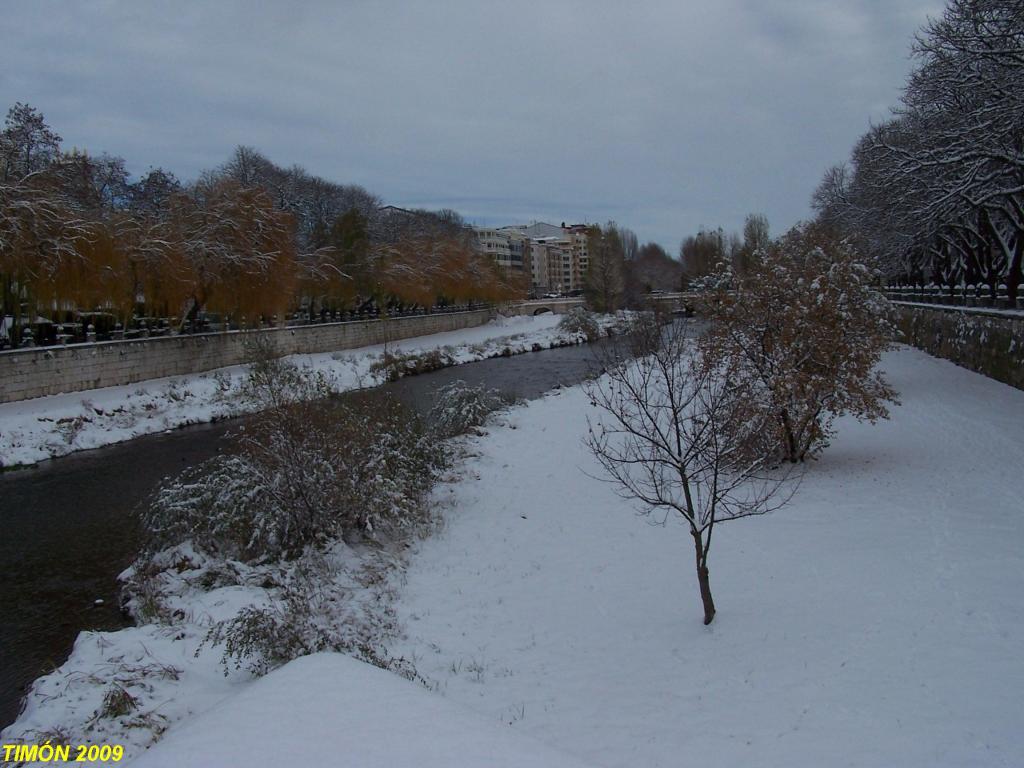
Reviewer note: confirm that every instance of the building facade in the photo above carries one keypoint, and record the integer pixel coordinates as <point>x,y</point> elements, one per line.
<point>553,259</point>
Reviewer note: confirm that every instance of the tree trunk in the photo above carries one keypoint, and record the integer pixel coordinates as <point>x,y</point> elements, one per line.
<point>790,443</point>
<point>1013,275</point>
<point>703,578</point>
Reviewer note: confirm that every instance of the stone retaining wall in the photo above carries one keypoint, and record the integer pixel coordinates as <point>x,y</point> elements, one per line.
<point>985,343</point>
<point>27,373</point>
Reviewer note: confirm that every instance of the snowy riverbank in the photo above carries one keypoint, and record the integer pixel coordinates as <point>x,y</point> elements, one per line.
<point>48,427</point>
<point>875,621</point>
<point>331,710</point>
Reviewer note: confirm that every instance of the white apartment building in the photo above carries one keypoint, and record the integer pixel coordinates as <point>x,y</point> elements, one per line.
<point>554,257</point>
<point>497,245</point>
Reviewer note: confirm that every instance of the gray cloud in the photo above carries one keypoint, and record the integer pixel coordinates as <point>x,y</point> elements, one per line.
<point>662,115</point>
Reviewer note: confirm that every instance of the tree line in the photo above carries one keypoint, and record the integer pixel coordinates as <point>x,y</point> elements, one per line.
<point>703,254</point>
<point>249,241</point>
<point>936,193</point>
<point>622,272</point>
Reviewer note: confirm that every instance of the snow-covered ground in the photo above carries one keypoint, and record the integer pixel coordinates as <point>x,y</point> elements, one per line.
<point>331,710</point>
<point>46,427</point>
<point>875,621</point>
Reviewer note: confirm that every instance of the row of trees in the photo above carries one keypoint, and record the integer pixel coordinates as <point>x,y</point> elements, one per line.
<point>936,193</point>
<point>248,240</point>
<point>622,272</point>
<point>703,254</point>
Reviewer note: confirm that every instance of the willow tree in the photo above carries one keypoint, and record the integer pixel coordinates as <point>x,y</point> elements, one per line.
<point>239,250</point>
<point>39,238</point>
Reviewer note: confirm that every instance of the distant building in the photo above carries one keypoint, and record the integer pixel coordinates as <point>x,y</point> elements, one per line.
<point>553,257</point>
<point>540,229</point>
<point>497,245</point>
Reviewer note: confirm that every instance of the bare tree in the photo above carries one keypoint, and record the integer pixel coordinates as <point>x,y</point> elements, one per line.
<point>630,243</point>
<point>605,279</point>
<point>672,434</point>
<point>701,254</point>
<point>27,145</point>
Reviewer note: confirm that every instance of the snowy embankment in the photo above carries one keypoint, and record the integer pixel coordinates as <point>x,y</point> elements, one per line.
<point>328,709</point>
<point>875,621</point>
<point>47,427</point>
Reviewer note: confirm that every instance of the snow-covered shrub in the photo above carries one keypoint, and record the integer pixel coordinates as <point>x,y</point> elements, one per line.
<point>721,279</point>
<point>222,381</point>
<point>620,322</point>
<point>392,367</point>
<point>460,407</point>
<point>70,427</point>
<point>117,702</point>
<point>301,475</point>
<point>580,321</point>
<point>325,602</point>
<point>310,612</point>
<point>273,382</point>
<point>803,330</point>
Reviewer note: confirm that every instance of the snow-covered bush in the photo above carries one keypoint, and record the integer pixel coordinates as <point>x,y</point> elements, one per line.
<point>272,382</point>
<point>325,602</point>
<point>460,407</point>
<point>580,321</point>
<point>302,475</point>
<point>721,279</point>
<point>803,331</point>
<point>392,367</point>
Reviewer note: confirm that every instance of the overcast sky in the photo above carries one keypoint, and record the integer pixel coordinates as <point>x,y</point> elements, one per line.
<point>664,116</point>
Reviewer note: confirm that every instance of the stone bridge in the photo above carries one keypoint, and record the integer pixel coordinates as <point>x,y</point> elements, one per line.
<point>558,306</point>
<point>677,303</point>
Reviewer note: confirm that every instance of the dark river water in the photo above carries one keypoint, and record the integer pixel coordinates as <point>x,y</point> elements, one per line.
<point>68,526</point>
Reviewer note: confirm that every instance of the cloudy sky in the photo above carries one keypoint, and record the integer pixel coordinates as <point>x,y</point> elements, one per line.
<point>664,116</point>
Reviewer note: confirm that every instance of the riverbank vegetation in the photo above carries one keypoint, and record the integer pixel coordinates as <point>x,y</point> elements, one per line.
<point>48,427</point>
<point>289,543</point>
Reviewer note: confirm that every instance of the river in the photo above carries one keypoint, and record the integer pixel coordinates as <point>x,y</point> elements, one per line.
<point>69,525</point>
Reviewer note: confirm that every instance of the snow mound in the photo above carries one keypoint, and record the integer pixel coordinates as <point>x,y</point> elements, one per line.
<point>329,709</point>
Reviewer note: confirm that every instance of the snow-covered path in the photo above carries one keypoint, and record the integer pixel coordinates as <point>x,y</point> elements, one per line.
<point>876,621</point>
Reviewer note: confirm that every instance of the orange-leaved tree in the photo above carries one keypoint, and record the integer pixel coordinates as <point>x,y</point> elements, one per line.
<point>239,250</point>
<point>803,330</point>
